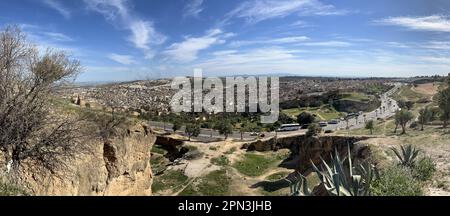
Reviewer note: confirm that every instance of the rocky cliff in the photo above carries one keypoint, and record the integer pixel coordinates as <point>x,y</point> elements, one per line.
<point>306,149</point>
<point>118,167</point>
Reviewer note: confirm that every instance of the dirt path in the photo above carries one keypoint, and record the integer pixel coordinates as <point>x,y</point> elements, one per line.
<point>202,166</point>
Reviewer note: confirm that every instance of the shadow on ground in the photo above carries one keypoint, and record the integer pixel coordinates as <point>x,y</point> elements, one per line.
<point>271,186</point>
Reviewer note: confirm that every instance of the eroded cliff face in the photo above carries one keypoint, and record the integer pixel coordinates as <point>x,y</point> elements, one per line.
<point>120,166</point>
<point>306,149</point>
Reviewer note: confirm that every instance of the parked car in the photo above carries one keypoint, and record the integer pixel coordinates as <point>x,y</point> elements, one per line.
<point>333,121</point>
<point>323,124</point>
<point>253,134</point>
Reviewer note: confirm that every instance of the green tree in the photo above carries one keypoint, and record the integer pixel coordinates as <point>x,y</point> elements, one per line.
<point>425,116</point>
<point>192,130</point>
<point>176,126</point>
<point>305,118</point>
<point>402,118</point>
<point>444,104</point>
<point>313,130</point>
<point>224,127</point>
<point>370,125</point>
<point>243,128</point>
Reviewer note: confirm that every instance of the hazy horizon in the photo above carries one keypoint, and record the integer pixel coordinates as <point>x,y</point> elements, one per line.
<point>126,40</point>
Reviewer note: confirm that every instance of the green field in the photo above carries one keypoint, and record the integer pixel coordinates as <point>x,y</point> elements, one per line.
<point>324,113</point>
<point>355,96</point>
<point>256,164</point>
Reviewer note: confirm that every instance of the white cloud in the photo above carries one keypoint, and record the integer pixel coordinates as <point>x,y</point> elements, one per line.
<point>56,5</point>
<point>437,45</point>
<point>437,23</point>
<point>284,40</point>
<point>436,59</point>
<point>188,49</point>
<point>343,62</point>
<point>58,36</point>
<point>122,59</point>
<point>260,10</point>
<point>143,33</point>
<point>42,34</point>
<point>328,44</point>
<point>193,8</point>
<point>224,52</point>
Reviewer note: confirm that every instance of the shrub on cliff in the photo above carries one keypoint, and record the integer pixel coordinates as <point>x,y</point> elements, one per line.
<point>313,130</point>
<point>30,131</point>
<point>8,189</point>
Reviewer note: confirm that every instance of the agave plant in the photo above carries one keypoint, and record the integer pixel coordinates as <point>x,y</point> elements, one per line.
<point>355,181</point>
<point>408,155</point>
<point>300,187</point>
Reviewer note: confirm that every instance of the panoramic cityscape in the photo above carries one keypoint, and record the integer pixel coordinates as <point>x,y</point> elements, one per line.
<point>224,98</point>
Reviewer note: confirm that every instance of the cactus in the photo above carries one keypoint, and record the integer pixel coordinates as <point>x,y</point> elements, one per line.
<point>408,155</point>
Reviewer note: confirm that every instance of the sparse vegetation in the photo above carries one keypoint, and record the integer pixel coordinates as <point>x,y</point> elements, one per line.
<point>424,169</point>
<point>255,164</point>
<point>170,179</point>
<point>396,181</point>
<point>215,183</point>
<point>220,161</point>
<point>9,189</point>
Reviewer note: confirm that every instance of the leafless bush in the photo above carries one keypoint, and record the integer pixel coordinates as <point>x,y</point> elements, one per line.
<point>30,131</point>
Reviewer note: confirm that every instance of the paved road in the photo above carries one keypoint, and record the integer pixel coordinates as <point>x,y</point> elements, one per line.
<point>387,109</point>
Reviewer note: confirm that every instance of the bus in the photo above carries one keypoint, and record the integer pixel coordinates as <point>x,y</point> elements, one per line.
<point>289,127</point>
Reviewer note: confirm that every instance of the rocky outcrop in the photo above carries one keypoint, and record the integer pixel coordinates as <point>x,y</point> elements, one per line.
<point>120,166</point>
<point>173,146</point>
<point>353,106</point>
<point>306,149</point>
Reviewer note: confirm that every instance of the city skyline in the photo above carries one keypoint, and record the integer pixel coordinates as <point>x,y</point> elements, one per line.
<point>123,40</point>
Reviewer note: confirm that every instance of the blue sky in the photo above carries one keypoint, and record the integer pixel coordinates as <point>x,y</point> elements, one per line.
<point>118,40</point>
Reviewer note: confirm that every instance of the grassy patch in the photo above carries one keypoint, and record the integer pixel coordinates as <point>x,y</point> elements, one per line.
<point>277,176</point>
<point>159,163</point>
<point>215,183</point>
<point>256,164</point>
<point>220,161</point>
<point>324,113</point>
<point>169,180</point>
<point>355,96</point>
<point>405,93</point>
<point>159,150</point>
